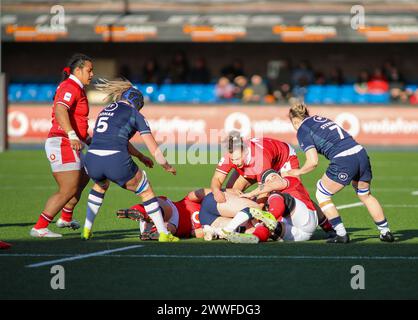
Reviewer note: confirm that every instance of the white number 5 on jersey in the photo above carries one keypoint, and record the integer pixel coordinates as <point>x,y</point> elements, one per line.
<point>102,124</point>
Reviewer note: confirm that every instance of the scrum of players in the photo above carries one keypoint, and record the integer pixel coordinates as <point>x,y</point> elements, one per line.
<point>278,209</point>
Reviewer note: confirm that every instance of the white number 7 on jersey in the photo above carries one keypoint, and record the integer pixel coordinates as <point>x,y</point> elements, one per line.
<point>340,132</point>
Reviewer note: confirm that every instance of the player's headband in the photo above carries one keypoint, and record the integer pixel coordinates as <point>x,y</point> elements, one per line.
<point>266,173</point>
<point>134,97</point>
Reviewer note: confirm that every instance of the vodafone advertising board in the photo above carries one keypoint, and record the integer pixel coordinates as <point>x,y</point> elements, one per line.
<point>386,126</point>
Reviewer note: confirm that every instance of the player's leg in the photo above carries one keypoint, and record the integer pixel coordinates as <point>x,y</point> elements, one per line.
<point>326,188</point>
<point>372,204</point>
<point>301,223</point>
<point>94,203</point>
<point>142,187</point>
<point>323,221</point>
<point>375,209</point>
<point>68,182</point>
<point>66,220</point>
<point>236,208</point>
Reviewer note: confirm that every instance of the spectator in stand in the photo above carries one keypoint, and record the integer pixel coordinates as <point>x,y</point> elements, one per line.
<point>178,70</point>
<point>199,73</point>
<point>151,72</point>
<point>224,89</point>
<point>361,84</point>
<point>283,93</point>
<point>235,69</point>
<point>280,86</point>
<point>241,83</point>
<point>302,75</point>
<point>414,98</point>
<point>320,78</point>
<point>378,83</point>
<point>396,84</point>
<point>336,77</point>
<point>256,91</point>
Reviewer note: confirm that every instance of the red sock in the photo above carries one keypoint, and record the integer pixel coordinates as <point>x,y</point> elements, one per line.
<point>43,221</point>
<point>276,205</point>
<point>67,214</point>
<point>4,245</point>
<point>262,233</point>
<point>326,225</point>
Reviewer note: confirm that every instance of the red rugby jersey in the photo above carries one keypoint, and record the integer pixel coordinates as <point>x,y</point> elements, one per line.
<point>70,93</point>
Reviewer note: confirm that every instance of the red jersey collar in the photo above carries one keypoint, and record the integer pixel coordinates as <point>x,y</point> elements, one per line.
<point>76,80</point>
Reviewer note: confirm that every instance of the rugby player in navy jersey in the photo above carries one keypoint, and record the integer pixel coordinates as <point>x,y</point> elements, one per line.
<point>349,164</point>
<point>109,156</point>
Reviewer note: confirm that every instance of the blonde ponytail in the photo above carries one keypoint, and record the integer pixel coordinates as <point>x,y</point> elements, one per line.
<point>113,88</point>
<point>299,111</point>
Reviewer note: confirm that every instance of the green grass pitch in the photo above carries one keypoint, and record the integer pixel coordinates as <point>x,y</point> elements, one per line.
<point>194,269</point>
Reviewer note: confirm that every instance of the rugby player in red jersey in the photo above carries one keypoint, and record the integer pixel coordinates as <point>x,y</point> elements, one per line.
<point>250,158</point>
<point>182,218</point>
<point>65,140</point>
<point>289,204</point>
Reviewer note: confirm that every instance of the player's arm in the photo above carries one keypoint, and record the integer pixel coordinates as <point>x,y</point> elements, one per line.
<point>216,184</point>
<point>310,164</point>
<point>198,195</point>
<point>154,149</point>
<point>63,119</point>
<point>141,157</point>
<point>276,184</point>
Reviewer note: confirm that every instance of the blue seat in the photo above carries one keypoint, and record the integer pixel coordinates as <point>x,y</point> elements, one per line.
<point>149,90</point>
<point>204,93</point>
<point>383,98</point>
<point>314,94</point>
<point>361,98</point>
<point>46,93</point>
<point>411,87</point>
<point>331,94</point>
<point>30,93</point>
<point>15,92</point>
<point>347,94</point>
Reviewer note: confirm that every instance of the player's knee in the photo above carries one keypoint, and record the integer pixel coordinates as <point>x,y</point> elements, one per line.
<point>362,192</point>
<point>323,196</point>
<point>143,185</point>
<point>68,191</point>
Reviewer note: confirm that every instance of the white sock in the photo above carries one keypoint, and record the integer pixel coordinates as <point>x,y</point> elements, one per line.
<point>94,203</point>
<point>240,218</point>
<point>153,209</point>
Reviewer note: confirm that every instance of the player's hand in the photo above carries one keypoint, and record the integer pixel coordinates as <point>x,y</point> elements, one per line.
<point>169,168</point>
<point>246,195</point>
<point>219,196</point>
<point>146,161</point>
<point>74,141</point>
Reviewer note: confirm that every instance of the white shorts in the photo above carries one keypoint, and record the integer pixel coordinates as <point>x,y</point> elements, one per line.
<point>301,224</point>
<point>61,156</point>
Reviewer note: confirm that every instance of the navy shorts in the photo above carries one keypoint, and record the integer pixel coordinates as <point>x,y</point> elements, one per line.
<point>118,167</point>
<point>208,210</point>
<point>350,168</point>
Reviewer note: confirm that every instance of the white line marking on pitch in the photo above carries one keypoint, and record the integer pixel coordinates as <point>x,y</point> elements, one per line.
<point>414,193</point>
<point>168,256</point>
<point>351,205</point>
<point>266,257</point>
<point>80,257</point>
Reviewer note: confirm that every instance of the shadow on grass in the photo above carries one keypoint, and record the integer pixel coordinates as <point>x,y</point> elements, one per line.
<point>17,225</point>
